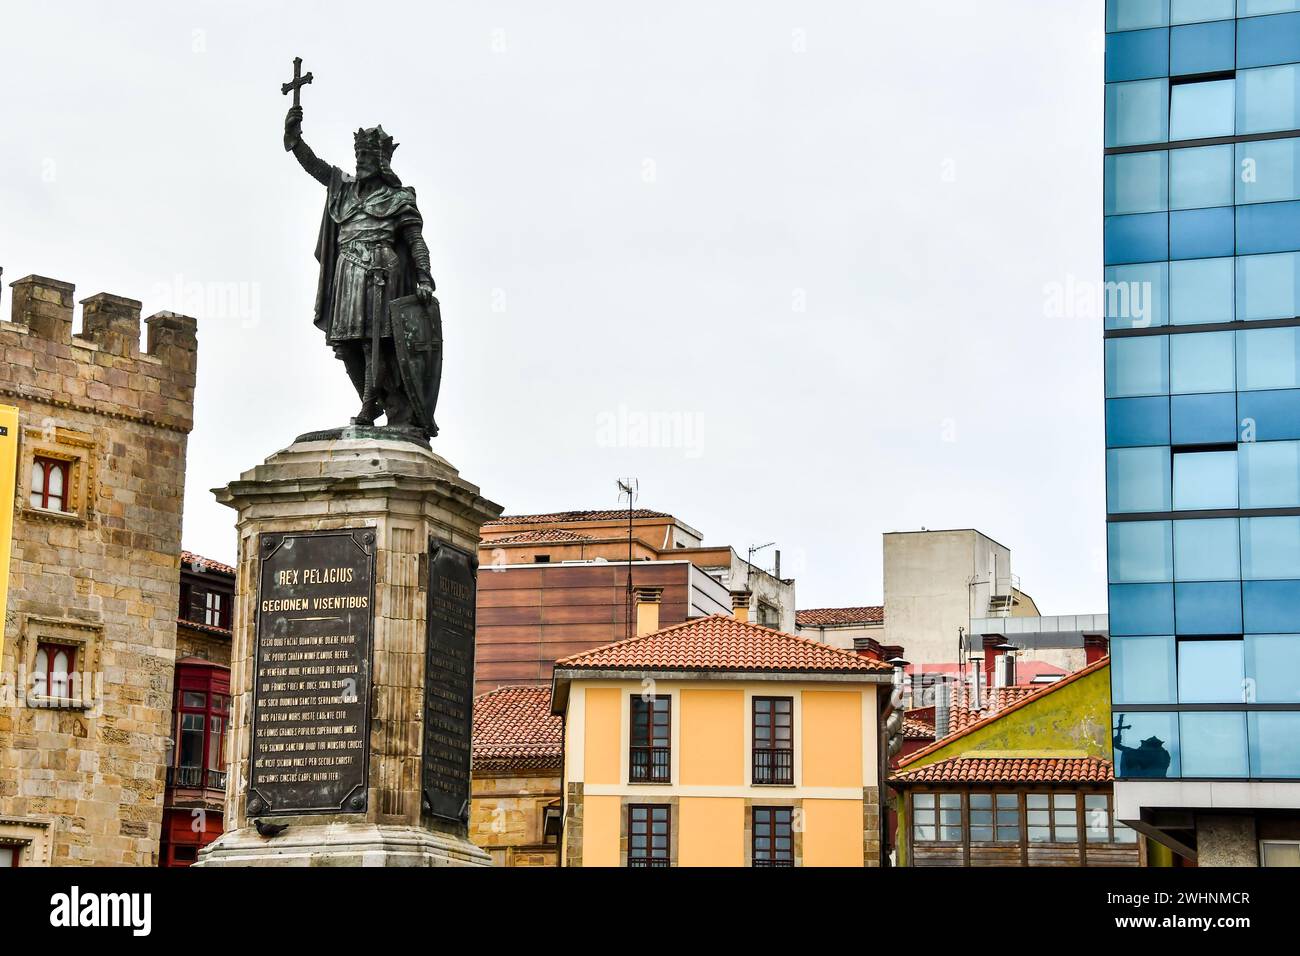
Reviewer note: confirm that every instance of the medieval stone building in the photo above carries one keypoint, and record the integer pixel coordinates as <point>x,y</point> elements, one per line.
<point>90,632</point>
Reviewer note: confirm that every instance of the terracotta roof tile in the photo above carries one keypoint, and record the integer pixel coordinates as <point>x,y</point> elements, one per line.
<point>916,729</point>
<point>969,769</point>
<point>722,643</point>
<point>562,517</point>
<point>831,616</point>
<point>197,562</point>
<point>542,536</point>
<point>1024,700</point>
<point>515,729</point>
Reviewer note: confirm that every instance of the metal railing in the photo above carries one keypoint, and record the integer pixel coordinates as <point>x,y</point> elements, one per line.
<point>651,764</point>
<point>196,778</point>
<point>773,766</point>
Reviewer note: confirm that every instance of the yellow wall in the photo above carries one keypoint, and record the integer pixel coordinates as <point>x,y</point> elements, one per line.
<point>713,737</point>
<point>710,832</point>
<point>832,834</point>
<point>834,762</point>
<point>8,459</point>
<point>601,831</point>
<point>603,724</point>
<point>832,738</point>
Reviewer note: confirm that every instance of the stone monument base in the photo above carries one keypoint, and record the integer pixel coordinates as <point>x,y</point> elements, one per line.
<point>379,683</point>
<point>343,844</point>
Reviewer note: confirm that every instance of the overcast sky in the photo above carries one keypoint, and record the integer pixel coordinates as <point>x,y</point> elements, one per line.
<point>791,264</point>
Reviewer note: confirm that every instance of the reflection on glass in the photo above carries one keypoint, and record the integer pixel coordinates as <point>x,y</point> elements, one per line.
<point>1201,291</point>
<point>1146,745</point>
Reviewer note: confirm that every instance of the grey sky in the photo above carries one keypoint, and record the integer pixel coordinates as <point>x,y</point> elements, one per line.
<point>814,239</point>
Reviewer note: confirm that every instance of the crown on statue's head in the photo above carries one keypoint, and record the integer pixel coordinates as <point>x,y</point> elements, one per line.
<point>375,138</point>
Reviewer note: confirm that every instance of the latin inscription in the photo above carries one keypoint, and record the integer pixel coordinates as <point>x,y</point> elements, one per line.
<point>312,673</point>
<point>449,681</point>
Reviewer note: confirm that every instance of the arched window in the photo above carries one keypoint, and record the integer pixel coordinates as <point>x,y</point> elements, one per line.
<point>49,484</point>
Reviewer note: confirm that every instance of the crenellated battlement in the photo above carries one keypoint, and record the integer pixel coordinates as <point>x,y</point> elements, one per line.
<point>101,369</point>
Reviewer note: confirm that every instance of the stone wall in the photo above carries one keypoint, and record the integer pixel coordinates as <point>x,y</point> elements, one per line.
<point>507,814</point>
<point>85,773</point>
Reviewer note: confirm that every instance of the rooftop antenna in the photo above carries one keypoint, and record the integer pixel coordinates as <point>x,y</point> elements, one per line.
<point>749,565</point>
<point>630,488</point>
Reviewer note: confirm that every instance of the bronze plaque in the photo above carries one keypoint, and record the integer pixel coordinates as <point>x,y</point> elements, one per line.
<point>448,681</point>
<point>311,673</point>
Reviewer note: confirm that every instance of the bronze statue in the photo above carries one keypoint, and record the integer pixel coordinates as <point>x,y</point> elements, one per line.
<point>374,300</point>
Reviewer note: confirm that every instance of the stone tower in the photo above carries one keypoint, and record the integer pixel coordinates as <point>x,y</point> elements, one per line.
<point>95,573</point>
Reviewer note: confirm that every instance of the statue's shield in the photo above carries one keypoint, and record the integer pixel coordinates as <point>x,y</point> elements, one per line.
<point>417,338</point>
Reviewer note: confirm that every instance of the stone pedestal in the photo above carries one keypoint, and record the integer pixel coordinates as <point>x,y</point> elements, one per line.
<point>395,496</point>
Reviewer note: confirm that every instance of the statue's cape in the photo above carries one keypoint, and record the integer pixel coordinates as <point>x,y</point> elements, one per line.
<point>392,201</point>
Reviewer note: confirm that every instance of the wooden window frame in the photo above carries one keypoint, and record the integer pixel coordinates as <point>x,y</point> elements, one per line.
<point>994,809</point>
<point>205,776</point>
<point>936,816</point>
<point>771,858</point>
<point>658,757</point>
<point>48,466</point>
<point>650,860</point>
<point>17,848</point>
<point>778,775</point>
<point>75,451</point>
<point>51,648</point>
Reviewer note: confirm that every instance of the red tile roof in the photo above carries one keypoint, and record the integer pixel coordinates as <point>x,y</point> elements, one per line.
<point>992,701</point>
<point>722,643</point>
<point>542,536</point>
<point>832,616</point>
<point>973,769</point>
<point>196,562</point>
<point>563,517</point>
<point>917,729</point>
<point>514,729</point>
<point>1024,701</point>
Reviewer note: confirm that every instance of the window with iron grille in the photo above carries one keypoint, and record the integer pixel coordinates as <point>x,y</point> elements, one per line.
<point>650,740</point>
<point>773,836</point>
<point>773,740</point>
<point>50,484</point>
<point>649,835</point>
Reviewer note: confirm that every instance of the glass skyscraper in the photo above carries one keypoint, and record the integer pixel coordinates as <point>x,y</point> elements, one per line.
<point>1202,363</point>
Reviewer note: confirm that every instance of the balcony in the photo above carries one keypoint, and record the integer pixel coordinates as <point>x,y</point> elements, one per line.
<point>773,767</point>
<point>196,778</point>
<point>651,765</point>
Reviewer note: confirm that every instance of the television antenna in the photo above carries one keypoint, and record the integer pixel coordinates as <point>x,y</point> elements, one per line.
<point>629,488</point>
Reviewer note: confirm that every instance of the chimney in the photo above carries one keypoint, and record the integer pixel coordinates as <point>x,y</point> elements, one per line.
<point>991,642</point>
<point>942,709</point>
<point>869,648</point>
<point>740,605</point>
<point>1095,647</point>
<point>648,600</point>
<point>44,306</point>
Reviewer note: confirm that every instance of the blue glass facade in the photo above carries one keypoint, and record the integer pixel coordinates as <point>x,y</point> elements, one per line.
<point>1202,365</point>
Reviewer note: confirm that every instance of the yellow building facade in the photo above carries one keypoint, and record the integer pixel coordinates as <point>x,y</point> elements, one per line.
<point>721,743</point>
